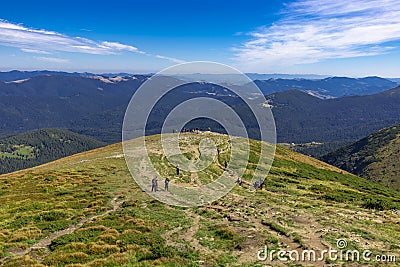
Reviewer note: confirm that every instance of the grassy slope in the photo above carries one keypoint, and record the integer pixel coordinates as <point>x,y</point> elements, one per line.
<point>305,204</point>
<point>375,157</point>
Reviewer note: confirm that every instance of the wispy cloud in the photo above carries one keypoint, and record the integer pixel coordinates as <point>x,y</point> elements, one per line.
<point>35,51</point>
<point>53,59</point>
<point>120,47</point>
<point>45,42</point>
<point>314,30</point>
<point>175,60</point>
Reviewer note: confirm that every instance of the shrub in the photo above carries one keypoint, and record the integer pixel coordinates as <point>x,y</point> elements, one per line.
<point>102,248</point>
<point>49,216</point>
<point>271,240</point>
<point>297,238</point>
<point>75,257</point>
<point>276,227</point>
<point>376,204</point>
<point>225,233</point>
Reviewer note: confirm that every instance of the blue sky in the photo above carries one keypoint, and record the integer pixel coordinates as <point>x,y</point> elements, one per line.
<point>347,38</point>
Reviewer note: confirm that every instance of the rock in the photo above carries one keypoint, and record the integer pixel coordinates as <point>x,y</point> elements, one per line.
<point>233,218</point>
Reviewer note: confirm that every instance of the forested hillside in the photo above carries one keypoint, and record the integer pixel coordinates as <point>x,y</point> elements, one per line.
<point>39,146</point>
<point>375,157</point>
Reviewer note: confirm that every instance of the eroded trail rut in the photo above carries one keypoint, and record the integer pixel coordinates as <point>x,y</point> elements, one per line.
<point>45,242</point>
<point>188,235</point>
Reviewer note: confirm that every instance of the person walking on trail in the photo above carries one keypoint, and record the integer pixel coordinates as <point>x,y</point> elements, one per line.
<point>154,184</point>
<point>218,150</point>
<point>256,185</point>
<point>259,184</point>
<point>166,183</point>
<point>225,164</point>
<point>177,169</point>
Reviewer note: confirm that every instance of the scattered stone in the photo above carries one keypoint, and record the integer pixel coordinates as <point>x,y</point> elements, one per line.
<point>233,218</point>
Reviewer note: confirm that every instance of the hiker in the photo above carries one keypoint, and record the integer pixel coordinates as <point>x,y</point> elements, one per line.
<point>166,183</point>
<point>154,184</point>
<point>218,150</point>
<point>177,169</point>
<point>256,185</point>
<point>225,164</point>
<point>261,183</point>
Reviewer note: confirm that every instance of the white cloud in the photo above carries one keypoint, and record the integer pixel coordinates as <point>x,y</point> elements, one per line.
<point>314,30</point>
<point>175,60</point>
<point>118,46</point>
<point>44,42</point>
<point>53,59</point>
<point>34,51</point>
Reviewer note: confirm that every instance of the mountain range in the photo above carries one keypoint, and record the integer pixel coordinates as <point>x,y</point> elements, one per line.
<point>302,118</point>
<point>65,102</point>
<point>330,87</point>
<point>95,106</point>
<point>17,75</point>
<point>322,86</point>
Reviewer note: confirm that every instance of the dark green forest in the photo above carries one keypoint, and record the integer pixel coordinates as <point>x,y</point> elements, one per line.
<point>40,146</point>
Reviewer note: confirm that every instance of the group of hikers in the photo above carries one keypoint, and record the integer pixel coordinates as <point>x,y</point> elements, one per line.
<point>154,182</point>
<point>190,130</point>
<point>257,184</point>
<point>187,130</point>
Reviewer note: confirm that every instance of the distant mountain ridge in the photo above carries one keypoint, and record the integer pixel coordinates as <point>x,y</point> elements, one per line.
<point>15,75</point>
<point>322,86</point>
<point>302,118</point>
<point>374,157</point>
<point>328,87</point>
<point>95,106</point>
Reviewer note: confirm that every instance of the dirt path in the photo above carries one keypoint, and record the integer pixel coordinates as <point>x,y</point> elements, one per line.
<point>194,178</point>
<point>188,235</point>
<point>45,242</point>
